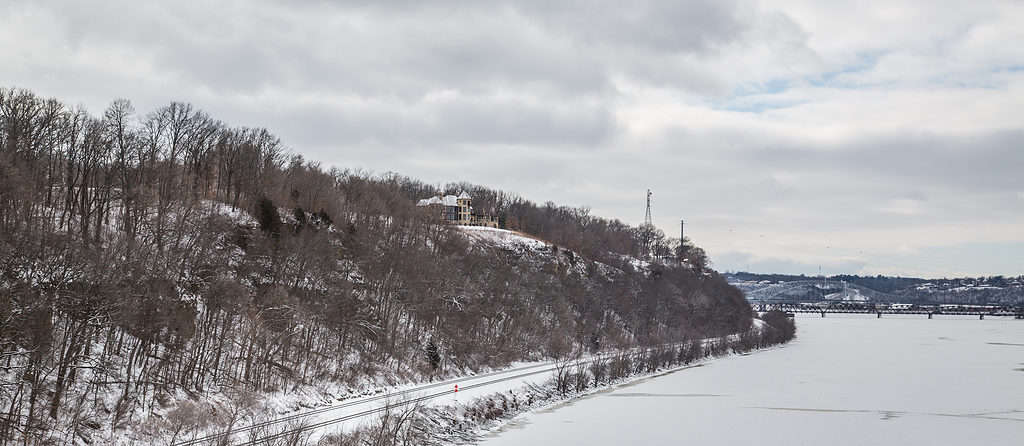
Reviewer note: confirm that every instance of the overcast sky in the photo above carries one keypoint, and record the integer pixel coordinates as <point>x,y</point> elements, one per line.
<point>861,137</point>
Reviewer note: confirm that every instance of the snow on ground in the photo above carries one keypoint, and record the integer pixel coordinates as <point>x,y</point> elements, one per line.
<point>330,401</point>
<point>961,289</point>
<point>758,324</point>
<point>846,380</point>
<point>504,238</point>
<point>237,215</point>
<point>537,375</point>
<point>637,263</point>
<point>517,378</point>
<point>521,243</point>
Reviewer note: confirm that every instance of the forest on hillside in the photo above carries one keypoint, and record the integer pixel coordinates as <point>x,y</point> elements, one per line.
<point>151,255</point>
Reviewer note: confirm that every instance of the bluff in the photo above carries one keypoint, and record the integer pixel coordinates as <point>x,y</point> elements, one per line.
<point>149,260</point>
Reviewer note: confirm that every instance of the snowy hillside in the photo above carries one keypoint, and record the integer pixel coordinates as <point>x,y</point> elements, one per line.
<point>505,239</point>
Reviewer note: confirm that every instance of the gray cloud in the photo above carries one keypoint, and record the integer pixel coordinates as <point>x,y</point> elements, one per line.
<point>978,162</point>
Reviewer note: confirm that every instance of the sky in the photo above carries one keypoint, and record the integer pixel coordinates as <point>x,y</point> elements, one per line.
<point>792,136</point>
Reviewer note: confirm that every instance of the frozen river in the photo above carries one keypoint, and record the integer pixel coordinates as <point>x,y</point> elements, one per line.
<point>852,380</point>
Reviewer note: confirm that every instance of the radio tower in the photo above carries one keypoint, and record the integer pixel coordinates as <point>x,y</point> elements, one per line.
<point>647,218</point>
<point>647,228</point>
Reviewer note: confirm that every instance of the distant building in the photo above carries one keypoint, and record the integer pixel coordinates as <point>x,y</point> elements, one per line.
<point>457,210</point>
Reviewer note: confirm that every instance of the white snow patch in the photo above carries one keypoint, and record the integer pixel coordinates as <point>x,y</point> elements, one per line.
<point>503,238</point>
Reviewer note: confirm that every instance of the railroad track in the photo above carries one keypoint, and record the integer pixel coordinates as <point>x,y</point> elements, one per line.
<point>527,371</point>
<point>375,410</point>
<point>347,404</point>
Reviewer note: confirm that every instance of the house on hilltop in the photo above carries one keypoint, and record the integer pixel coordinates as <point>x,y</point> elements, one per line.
<point>457,210</point>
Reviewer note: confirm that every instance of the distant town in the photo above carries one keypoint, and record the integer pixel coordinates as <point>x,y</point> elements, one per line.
<point>996,295</point>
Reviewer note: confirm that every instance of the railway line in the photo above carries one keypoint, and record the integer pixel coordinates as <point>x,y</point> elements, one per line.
<point>379,403</point>
<point>401,403</point>
<point>357,402</point>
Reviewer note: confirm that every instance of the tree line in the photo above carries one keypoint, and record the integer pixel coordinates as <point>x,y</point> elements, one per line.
<point>147,256</point>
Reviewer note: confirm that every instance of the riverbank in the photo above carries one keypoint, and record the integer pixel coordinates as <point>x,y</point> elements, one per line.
<point>469,422</point>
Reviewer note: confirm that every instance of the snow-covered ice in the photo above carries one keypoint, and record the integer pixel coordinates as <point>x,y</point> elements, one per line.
<point>851,380</point>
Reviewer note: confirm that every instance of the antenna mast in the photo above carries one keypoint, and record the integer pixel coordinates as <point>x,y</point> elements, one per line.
<point>647,218</point>
<point>646,229</point>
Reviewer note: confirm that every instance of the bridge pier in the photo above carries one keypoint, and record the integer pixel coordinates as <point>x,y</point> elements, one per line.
<point>929,315</point>
<point>822,313</point>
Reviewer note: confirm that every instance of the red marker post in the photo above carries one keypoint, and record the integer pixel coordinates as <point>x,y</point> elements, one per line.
<point>456,388</point>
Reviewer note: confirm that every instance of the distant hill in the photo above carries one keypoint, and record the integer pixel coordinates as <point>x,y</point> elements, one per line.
<point>967,290</point>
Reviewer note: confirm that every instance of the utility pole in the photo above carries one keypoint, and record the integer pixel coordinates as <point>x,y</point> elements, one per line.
<point>682,230</point>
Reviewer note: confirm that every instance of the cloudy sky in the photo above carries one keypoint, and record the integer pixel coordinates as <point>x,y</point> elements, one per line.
<point>861,137</point>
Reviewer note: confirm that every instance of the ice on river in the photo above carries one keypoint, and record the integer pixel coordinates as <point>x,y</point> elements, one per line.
<point>853,380</point>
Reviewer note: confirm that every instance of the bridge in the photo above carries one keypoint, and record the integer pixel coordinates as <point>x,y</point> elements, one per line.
<point>865,308</point>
